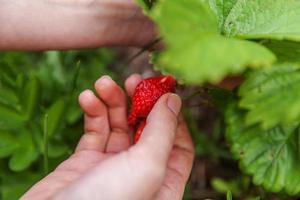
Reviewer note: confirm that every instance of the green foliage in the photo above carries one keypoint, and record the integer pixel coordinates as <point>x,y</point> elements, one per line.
<point>31,86</point>
<point>267,19</point>
<point>207,40</point>
<point>275,92</point>
<point>229,196</point>
<point>196,51</point>
<point>271,156</point>
<point>235,186</point>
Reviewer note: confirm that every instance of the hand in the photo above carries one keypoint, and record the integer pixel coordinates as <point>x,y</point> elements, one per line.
<point>106,166</point>
<point>68,24</point>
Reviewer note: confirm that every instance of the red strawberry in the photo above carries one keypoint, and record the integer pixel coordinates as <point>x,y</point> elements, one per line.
<point>147,93</point>
<point>139,131</point>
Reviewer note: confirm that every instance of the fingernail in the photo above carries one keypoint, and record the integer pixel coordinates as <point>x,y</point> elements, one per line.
<point>174,103</point>
<point>104,81</point>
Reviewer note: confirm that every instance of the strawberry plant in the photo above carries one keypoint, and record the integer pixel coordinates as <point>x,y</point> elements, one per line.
<point>208,40</point>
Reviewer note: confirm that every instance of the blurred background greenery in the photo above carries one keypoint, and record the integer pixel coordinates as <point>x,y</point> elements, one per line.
<point>41,121</point>
<point>38,89</point>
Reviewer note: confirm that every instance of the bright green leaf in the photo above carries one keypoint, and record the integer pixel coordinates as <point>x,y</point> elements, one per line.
<point>267,19</point>
<point>7,144</point>
<point>223,186</point>
<point>272,95</point>
<point>222,8</point>
<point>211,58</point>
<point>196,52</point>
<point>55,116</point>
<point>22,158</point>
<point>270,156</point>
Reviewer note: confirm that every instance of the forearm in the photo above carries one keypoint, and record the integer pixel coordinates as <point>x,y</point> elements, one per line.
<point>65,24</point>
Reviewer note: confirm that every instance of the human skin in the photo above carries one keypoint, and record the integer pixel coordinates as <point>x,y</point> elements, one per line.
<point>105,164</point>
<point>72,24</point>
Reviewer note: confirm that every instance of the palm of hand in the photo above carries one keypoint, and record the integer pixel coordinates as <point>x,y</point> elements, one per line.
<point>104,155</point>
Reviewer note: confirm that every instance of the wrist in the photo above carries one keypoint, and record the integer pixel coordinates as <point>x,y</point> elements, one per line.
<point>122,22</point>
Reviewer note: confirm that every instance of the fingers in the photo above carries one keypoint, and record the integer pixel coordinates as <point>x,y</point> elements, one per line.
<point>179,164</point>
<point>159,133</point>
<point>132,82</point>
<point>96,126</point>
<point>115,99</point>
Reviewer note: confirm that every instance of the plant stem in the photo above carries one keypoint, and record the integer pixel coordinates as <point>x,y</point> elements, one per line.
<point>45,133</point>
<point>145,48</point>
<point>75,77</point>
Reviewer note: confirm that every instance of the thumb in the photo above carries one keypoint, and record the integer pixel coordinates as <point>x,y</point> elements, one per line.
<point>160,130</point>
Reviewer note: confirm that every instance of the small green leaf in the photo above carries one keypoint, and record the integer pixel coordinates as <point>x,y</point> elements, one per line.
<point>22,158</point>
<point>57,149</point>
<point>270,156</point>
<point>8,96</point>
<point>30,97</point>
<point>272,95</point>
<point>267,19</point>
<point>10,119</point>
<point>7,144</point>
<point>55,116</point>
<point>195,52</point>
<point>25,153</point>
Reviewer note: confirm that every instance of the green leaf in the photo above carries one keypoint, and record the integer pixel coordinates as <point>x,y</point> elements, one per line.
<point>53,60</point>
<point>57,149</point>
<point>229,196</point>
<point>268,19</point>
<point>270,156</point>
<point>5,77</point>
<point>8,96</point>
<point>22,158</point>
<point>222,8</point>
<point>10,119</point>
<point>286,51</point>
<point>16,184</point>
<point>196,52</point>
<point>30,97</point>
<point>24,154</point>
<point>272,95</point>
<point>55,116</point>
<point>7,144</point>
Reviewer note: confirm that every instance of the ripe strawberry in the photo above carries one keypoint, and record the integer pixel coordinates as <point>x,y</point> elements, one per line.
<point>144,98</point>
<point>139,131</point>
<point>147,93</point>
